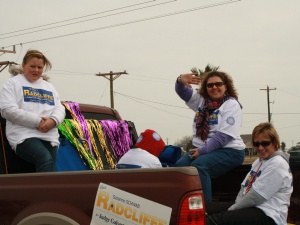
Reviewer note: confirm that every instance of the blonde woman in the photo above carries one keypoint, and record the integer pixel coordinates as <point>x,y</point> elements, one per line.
<point>265,193</point>
<point>33,111</point>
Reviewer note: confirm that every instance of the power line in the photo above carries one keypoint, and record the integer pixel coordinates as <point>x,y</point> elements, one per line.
<point>131,97</point>
<point>154,77</point>
<point>132,22</point>
<point>153,81</point>
<point>62,21</point>
<point>70,73</point>
<point>274,113</point>
<point>289,127</point>
<point>288,92</point>
<point>150,101</point>
<point>103,92</point>
<point>251,121</point>
<point>159,108</point>
<point>285,113</point>
<point>66,72</point>
<point>112,76</point>
<point>87,20</point>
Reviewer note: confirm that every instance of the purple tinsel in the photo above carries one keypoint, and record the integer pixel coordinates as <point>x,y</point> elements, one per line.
<point>80,118</point>
<point>117,132</point>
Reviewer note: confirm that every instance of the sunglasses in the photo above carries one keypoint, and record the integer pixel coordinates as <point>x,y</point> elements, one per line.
<point>217,84</point>
<point>263,143</point>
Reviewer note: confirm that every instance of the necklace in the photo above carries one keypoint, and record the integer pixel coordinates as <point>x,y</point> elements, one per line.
<point>252,179</point>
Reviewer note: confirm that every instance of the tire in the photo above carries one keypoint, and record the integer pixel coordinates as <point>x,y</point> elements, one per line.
<point>47,218</point>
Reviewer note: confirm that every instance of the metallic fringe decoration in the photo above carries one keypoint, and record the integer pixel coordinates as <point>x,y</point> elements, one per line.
<point>117,132</point>
<point>68,130</point>
<point>112,135</point>
<point>76,114</point>
<point>95,126</point>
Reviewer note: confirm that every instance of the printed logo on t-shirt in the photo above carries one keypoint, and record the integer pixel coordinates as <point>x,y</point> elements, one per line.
<point>213,118</point>
<point>252,177</point>
<point>230,120</point>
<point>38,95</point>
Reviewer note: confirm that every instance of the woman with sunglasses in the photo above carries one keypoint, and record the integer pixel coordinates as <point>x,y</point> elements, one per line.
<point>217,145</point>
<point>265,193</point>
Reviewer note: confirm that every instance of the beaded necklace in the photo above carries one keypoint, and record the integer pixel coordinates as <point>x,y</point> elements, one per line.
<point>252,179</point>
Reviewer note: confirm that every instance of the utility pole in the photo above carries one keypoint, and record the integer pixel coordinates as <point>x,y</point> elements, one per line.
<point>6,63</point>
<point>167,141</point>
<point>8,51</point>
<point>112,77</point>
<point>268,99</point>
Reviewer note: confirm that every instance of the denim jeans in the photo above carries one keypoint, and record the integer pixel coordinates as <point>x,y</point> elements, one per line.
<point>218,214</point>
<point>212,165</point>
<point>38,152</point>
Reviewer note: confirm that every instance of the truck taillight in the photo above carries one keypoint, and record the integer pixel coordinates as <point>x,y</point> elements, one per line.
<point>192,211</point>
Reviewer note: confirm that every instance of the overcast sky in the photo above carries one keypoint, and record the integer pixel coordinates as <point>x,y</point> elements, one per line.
<point>257,42</point>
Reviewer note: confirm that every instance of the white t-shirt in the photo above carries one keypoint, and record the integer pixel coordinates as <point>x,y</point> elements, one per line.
<point>273,182</point>
<point>227,119</point>
<point>28,102</point>
<point>138,158</point>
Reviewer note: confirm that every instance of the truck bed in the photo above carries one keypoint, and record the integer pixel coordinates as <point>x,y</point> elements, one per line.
<point>72,194</point>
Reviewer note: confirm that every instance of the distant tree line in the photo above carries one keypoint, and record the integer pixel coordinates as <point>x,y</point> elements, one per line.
<point>186,144</point>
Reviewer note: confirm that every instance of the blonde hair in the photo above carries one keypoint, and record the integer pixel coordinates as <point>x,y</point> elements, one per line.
<point>15,70</point>
<point>37,54</point>
<point>267,129</point>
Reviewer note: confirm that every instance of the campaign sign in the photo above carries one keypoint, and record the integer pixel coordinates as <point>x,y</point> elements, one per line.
<point>117,207</point>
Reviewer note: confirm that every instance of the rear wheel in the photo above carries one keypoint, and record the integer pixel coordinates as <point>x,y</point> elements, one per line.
<point>47,218</point>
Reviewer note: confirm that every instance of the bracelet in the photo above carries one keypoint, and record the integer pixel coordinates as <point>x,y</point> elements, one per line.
<point>179,79</point>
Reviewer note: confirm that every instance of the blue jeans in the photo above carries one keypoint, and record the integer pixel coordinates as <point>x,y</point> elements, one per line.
<point>212,165</point>
<point>38,152</point>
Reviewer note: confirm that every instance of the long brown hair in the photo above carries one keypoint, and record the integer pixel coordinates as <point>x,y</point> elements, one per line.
<point>227,80</point>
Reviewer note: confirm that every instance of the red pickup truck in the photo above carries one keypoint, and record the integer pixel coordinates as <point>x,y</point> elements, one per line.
<point>67,198</point>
